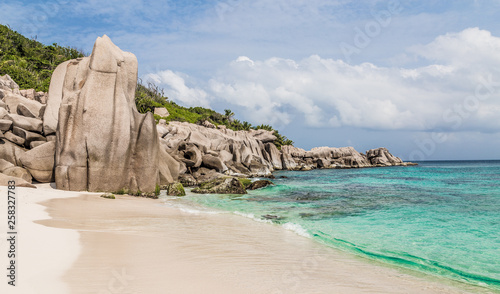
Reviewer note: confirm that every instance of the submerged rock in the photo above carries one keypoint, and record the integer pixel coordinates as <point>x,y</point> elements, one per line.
<point>259,184</point>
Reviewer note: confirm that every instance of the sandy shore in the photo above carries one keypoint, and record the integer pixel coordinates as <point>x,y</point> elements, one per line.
<point>135,245</point>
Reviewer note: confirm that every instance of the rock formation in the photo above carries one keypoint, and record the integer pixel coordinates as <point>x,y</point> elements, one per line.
<point>86,134</point>
<point>208,153</point>
<point>103,143</point>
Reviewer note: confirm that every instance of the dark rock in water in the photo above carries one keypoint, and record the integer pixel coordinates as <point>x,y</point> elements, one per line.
<point>259,184</point>
<point>307,197</point>
<point>271,217</point>
<point>271,176</point>
<point>283,177</point>
<point>175,189</point>
<point>225,185</point>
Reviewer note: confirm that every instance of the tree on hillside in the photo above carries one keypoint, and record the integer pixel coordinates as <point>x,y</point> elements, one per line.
<point>228,115</point>
<point>246,125</point>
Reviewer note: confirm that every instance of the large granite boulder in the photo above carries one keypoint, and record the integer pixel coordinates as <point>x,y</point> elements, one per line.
<point>11,152</point>
<point>4,181</point>
<point>103,143</point>
<point>7,83</point>
<point>27,136</point>
<point>5,125</point>
<point>27,123</point>
<point>14,138</point>
<point>4,113</point>
<point>39,161</point>
<point>212,162</point>
<point>161,111</point>
<point>18,172</point>
<point>4,164</point>
<point>19,104</point>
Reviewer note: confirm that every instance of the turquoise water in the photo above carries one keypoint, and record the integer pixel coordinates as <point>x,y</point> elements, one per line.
<point>441,218</point>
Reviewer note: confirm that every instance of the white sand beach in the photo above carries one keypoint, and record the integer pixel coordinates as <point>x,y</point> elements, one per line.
<point>81,243</point>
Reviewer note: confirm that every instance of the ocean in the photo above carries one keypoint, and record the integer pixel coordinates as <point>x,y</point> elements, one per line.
<point>441,218</point>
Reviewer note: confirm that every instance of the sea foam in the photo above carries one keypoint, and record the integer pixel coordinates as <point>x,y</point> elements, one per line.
<point>298,229</point>
<point>252,216</point>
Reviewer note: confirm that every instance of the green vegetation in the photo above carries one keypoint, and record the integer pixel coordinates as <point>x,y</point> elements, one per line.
<point>157,190</point>
<point>122,191</point>
<point>151,96</point>
<point>28,62</point>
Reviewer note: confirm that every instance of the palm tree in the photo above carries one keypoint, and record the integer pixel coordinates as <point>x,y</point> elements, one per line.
<point>228,115</point>
<point>246,125</point>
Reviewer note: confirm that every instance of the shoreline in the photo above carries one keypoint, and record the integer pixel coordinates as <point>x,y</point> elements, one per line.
<point>138,245</point>
<point>82,243</point>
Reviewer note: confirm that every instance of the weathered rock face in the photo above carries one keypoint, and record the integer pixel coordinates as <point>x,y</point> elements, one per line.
<point>163,112</point>
<point>51,115</point>
<point>330,157</point>
<point>382,157</point>
<point>221,149</point>
<point>103,143</point>
<point>39,161</point>
<point>4,181</point>
<point>6,83</point>
<point>210,152</point>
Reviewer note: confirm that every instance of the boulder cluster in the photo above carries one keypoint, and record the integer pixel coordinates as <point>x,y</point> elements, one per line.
<point>86,135</point>
<point>209,152</point>
<point>26,153</point>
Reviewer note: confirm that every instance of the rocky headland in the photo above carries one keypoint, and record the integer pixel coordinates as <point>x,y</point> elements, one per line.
<point>86,134</point>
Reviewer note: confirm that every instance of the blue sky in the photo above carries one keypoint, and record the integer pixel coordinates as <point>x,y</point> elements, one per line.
<point>421,78</point>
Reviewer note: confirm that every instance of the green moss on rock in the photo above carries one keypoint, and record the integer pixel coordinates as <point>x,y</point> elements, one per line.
<point>225,185</point>
<point>108,196</point>
<point>176,189</point>
<point>245,182</point>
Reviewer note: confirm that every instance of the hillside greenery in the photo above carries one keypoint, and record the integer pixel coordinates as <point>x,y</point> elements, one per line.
<point>31,64</point>
<point>28,62</point>
<point>150,96</point>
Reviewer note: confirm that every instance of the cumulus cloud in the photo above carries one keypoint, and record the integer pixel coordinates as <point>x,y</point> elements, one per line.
<point>457,90</point>
<point>177,90</point>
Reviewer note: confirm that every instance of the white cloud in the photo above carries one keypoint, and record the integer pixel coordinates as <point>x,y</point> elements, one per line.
<point>458,89</point>
<point>177,90</point>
